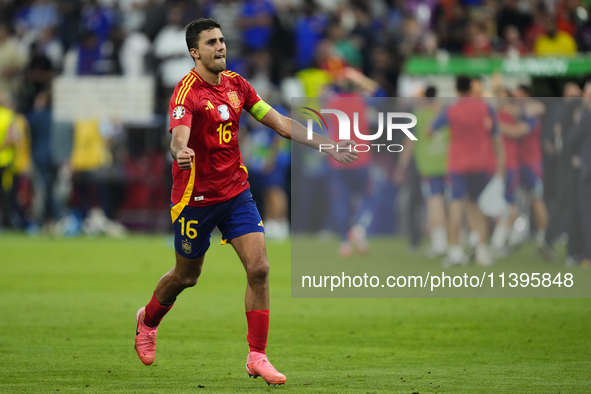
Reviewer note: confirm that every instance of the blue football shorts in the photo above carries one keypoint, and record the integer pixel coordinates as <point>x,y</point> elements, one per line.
<point>471,184</point>
<point>235,217</point>
<point>531,179</point>
<point>511,185</point>
<point>433,185</point>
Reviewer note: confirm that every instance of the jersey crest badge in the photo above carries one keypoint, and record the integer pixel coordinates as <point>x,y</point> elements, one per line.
<point>234,100</point>
<point>186,246</point>
<point>224,113</point>
<point>178,112</point>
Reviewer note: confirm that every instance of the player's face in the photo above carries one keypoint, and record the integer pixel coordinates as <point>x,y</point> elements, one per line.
<point>212,50</point>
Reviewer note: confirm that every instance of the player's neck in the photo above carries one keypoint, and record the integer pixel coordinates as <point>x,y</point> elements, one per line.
<point>208,76</point>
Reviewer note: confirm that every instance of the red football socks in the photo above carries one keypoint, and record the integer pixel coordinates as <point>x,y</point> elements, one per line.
<point>155,312</point>
<point>258,330</point>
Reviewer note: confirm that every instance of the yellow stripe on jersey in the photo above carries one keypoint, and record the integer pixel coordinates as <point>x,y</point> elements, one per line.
<point>230,74</point>
<point>259,110</point>
<point>176,210</point>
<point>197,75</point>
<point>244,168</point>
<point>183,86</point>
<point>180,99</point>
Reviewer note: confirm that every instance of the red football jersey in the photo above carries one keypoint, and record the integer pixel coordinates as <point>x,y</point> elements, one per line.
<point>529,147</point>
<point>212,112</point>
<point>470,146</point>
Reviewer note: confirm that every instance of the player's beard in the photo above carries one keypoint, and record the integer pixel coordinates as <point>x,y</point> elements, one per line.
<point>217,66</point>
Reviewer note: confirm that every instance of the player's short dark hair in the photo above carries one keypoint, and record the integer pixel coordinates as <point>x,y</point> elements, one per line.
<point>463,83</point>
<point>194,29</point>
<point>431,91</point>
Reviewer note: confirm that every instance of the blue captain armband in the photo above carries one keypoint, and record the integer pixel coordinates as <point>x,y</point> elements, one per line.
<point>259,110</point>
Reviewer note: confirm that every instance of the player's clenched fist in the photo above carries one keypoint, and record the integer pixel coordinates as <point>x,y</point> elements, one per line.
<point>185,158</point>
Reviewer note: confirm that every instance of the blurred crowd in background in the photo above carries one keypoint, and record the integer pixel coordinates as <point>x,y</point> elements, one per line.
<point>284,48</point>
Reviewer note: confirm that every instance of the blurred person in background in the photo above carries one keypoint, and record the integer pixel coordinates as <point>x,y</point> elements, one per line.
<point>536,28</point>
<point>478,88</point>
<point>98,190</point>
<point>363,34</point>
<point>133,55</point>
<point>282,43</point>
<point>511,14</point>
<point>16,179</point>
<point>385,71</point>
<point>171,53</point>
<point>68,28</point>
<point>513,46</point>
<point>529,155</point>
<point>156,16</point>
<point>32,19</point>
<point>566,15</point>
<point>478,43</point>
<point>430,156</point>
<point>270,155</point>
<point>562,212</point>
<point>579,142</point>
<point>268,164</point>
<point>44,171</point>
<point>256,21</point>
<point>473,129</point>
<point>451,22</point>
<point>412,38</point>
<point>350,187</point>
<point>343,45</point>
<point>227,13</point>
<point>309,30</point>
<point>8,141</point>
<point>97,19</point>
<point>88,56</point>
<point>554,42</point>
<point>512,129</point>
<point>51,47</point>
<point>12,62</point>
<point>38,76</point>
<point>133,13</point>
<point>310,83</point>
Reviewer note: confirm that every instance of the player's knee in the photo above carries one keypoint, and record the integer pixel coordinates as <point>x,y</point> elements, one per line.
<point>188,280</point>
<point>259,272</point>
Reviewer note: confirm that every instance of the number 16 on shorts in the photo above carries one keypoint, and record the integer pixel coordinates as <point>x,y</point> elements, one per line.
<point>187,229</point>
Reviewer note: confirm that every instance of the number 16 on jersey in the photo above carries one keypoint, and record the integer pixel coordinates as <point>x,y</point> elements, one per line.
<point>225,132</point>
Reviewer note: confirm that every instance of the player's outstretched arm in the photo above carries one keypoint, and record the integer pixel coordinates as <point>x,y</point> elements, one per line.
<point>342,152</point>
<point>182,154</point>
<point>515,131</point>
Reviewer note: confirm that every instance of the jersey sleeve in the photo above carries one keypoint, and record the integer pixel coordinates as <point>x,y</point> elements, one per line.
<point>253,103</point>
<point>180,109</point>
<point>495,120</point>
<point>441,120</point>
<point>532,122</point>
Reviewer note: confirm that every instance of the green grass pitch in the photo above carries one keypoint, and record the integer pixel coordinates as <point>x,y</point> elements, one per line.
<point>67,325</point>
